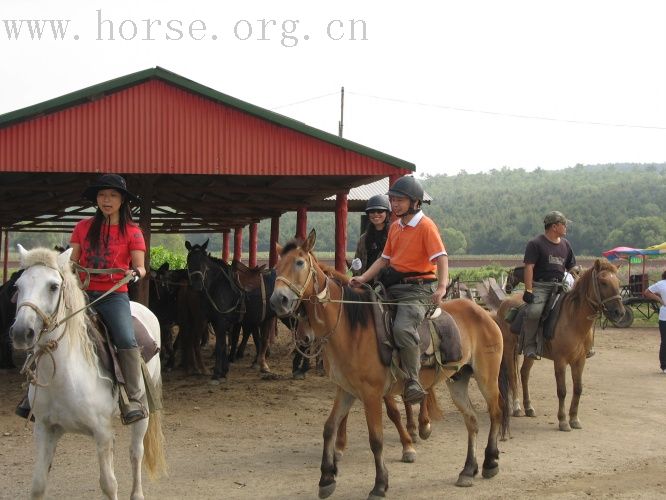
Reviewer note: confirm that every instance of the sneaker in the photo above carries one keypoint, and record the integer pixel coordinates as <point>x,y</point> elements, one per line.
<point>530,355</point>
<point>414,393</point>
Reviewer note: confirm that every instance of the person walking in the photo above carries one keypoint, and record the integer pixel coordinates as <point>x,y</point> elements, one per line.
<point>415,256</point>
<point>657,292</point>
<point>547,258</point>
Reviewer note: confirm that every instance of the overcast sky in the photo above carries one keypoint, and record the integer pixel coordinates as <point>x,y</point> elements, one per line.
<point>471,85</point>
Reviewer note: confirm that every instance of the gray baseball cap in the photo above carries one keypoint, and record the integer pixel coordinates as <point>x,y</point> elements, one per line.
<point>555,217</point>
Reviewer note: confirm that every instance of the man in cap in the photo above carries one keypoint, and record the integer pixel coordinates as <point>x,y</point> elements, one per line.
<point>547,258</point>
<point>414,249</point>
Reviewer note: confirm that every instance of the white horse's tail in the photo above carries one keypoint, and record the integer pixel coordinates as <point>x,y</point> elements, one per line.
<point>153,443</point>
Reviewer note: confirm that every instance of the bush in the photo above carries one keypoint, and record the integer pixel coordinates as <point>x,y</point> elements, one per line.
<point>159,255</point>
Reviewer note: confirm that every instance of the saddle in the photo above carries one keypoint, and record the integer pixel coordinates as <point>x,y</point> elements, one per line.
<point>551,311</point>
<point>108,358</point>
<point>439,336</point>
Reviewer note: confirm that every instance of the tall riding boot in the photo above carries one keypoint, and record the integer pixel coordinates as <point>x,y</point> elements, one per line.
<point>136,407</point>
<point>411,364</point>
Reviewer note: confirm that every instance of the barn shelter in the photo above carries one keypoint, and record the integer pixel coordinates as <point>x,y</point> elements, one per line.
<point>200,160</point>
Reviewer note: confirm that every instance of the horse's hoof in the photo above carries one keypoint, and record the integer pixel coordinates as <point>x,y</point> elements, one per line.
<point>488,473</point>
<point>529,412</point>
<point>575,424</point>
<point>326,491</point>
<point>464,481</point>
<point>298,375</point>
<point>254,366</point>
<point>269,376</point>
<point>409,457</point>
<point>376,496</point>
<point>425,431</point>
<point>214,381</point>
<point>517,413</point>
<point>564,426</point>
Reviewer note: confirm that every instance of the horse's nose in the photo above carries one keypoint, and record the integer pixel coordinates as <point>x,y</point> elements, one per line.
<point>21,337</point>
<point>279,303</point>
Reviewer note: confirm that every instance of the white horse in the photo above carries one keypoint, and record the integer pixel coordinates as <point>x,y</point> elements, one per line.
<point>69,390</point>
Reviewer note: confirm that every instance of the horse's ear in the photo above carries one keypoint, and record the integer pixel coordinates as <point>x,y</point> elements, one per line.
<point>188,245</point>
<point>22,253</point>
<point>205,245</point>
<point>64,257</point>
<point>597,265</point>
<point>163,268</point>
<point>310,242</point>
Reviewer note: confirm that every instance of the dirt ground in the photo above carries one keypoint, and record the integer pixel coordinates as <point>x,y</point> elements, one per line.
<point>254,438</point>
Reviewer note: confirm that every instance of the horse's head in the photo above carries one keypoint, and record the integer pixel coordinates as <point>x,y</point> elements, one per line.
<point>514,277</point>
<point>296,275</point>
<point>39,295</point>
<point>197,264</point>
<point>601,287</point>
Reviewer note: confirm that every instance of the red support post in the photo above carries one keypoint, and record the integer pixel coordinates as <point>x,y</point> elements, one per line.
<point>275,234</point>
<point>225,245</point>
<point>341,210</point>
<point>238,243</point>
<point>301,223</point>
<point>5,260</point>
<point>252,259</point>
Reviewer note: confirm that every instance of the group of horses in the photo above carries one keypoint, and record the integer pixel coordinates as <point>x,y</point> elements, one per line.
<point>335,319</point>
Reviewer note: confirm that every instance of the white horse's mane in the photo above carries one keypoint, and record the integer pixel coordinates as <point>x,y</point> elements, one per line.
<point>72,295</point>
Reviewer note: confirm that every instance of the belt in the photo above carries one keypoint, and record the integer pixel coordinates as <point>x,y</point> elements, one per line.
<point>417,281</point>
<point>550,280</point>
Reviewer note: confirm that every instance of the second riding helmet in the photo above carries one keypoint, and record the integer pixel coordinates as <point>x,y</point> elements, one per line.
<point>407,186</point>
<point>378,202</point>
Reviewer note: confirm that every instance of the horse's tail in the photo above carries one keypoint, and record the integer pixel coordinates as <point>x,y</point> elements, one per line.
<point>153,443</point>
<point>504,397</point>
<point>434,409</point>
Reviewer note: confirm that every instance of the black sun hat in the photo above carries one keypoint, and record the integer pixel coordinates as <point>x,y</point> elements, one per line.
<point>108,181</point>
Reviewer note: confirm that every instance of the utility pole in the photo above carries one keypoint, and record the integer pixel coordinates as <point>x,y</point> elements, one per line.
<point>342,111</point>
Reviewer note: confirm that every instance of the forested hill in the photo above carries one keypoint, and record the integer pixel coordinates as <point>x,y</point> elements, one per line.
<point>497,212</point>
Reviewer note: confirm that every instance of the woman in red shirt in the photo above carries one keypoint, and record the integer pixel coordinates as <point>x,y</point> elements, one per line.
<point>108,240</point>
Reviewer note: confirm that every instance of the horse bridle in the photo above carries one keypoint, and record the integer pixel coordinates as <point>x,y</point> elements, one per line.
<point>234,287</point>
<point>601,303</point>
<point>321,297</point>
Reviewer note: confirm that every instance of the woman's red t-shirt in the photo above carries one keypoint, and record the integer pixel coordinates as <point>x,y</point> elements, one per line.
<point>114,255</point>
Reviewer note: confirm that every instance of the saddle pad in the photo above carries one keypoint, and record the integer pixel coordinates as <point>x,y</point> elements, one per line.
<point>446,336</point>
<point>551,313</point>
<point>384,343</point>
<point>517,323</point>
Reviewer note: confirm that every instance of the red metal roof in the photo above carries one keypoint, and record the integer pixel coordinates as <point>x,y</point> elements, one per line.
<point>155,122</point>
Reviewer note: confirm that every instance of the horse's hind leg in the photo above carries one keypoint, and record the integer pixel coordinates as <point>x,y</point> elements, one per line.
<point>107,479</point>
<point>577,377</point>
<point>408,451</point>
<point>458,388</point>
<point>487,381</point>
<point>136,457</point>
<point>329,467</point>
<point>46,440</point>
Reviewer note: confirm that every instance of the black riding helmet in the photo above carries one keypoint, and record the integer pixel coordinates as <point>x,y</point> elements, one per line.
<point>378,202</point>
<point>407,186</point>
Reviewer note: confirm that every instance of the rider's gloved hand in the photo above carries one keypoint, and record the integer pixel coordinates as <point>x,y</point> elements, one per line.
<point>136,275</point>
<point>528,297</point>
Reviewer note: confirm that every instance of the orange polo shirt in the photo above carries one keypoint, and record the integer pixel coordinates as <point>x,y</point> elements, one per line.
<point>415,246</point>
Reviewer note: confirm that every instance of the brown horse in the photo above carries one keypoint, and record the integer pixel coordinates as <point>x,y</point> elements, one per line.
<point>344,325</point>
<point>596,292</point>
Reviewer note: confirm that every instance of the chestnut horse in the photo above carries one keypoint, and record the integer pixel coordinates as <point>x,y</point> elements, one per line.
<point>596,292</point>
<point>343,324</point>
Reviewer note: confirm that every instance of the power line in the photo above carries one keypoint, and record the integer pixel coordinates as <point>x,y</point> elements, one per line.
<point>304,100</point>
<point>510,115</point>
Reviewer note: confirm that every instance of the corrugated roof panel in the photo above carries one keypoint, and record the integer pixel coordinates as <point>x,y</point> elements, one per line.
<point>163,123</point>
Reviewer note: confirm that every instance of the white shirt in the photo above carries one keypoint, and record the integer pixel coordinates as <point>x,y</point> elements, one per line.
<point>659,288</point>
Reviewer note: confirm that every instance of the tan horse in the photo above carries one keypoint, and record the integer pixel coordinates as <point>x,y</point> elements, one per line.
<point>597,291</point>
<point>347,331</point>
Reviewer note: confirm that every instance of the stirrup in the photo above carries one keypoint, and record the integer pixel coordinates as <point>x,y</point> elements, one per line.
<point>413,392</point>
